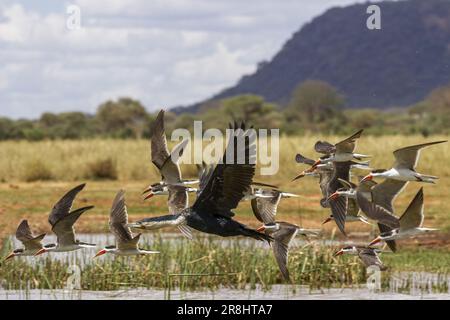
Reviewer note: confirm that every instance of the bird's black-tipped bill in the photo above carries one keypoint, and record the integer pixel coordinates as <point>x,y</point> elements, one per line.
<point>10,256</point>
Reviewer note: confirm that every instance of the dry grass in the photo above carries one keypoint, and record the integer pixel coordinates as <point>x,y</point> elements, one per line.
<point>68,163</point>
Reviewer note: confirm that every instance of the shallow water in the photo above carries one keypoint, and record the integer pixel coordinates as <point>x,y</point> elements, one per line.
<point>278,292</point>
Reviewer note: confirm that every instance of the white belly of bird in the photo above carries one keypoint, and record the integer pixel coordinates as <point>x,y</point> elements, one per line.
<point>401,175</point>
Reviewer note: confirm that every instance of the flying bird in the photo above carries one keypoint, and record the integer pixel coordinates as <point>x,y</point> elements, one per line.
<point>342,151</point>
<point>31,244</point>
<point>410,223</point>
<point>166,162</point>
<point>265,210</point>
<point>126,244</point>
<point>368,256</point>
<point>404,166</point>
<point>227,183</point>
<point>382,194</point>
<point>62,220</point>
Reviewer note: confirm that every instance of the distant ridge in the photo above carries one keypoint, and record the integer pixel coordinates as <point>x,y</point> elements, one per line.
<point>392,67</point>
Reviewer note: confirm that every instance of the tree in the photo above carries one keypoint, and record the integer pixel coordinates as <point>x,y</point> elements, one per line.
<point>249,108</point>
<point>315,105</point>
<point>124,118</point>
<point>315,100</point>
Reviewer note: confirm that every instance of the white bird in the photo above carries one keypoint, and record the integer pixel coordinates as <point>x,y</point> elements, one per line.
<point>126,244</point>
<point>410,222</point>
<point>404,166</point>
<point>368,256</point>
<point>342,151</point>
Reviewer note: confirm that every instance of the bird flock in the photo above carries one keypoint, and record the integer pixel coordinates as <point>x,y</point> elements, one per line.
<point>221,187</point>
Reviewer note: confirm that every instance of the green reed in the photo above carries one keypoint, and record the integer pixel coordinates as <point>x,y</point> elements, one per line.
<point>208,264</point>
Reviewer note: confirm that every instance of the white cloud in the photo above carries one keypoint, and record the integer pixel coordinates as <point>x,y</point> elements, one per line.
<point>162,52</point>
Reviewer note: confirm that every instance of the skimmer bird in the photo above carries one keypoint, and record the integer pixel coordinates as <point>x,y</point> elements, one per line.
<point>31,244</point>
<point>404,166</point>
<point>410,223</point>
<point>368,256</point>
<point>126,244</point>
<point>62,220</point>
<point>265,210</point>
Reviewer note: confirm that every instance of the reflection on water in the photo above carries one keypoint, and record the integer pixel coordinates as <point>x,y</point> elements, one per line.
<point>278,292</point>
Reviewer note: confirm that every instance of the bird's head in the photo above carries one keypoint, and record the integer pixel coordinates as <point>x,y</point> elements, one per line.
<point>270,227</point>
<point>105,250</point>
<point>155,189</point>
<point>374,174</point>
<point>305,173</point>
<point>13,254</point>
<point>375,241</point>
<point>348,249</point>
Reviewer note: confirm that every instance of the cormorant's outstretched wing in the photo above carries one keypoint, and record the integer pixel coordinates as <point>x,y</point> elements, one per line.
<point>232,177</point>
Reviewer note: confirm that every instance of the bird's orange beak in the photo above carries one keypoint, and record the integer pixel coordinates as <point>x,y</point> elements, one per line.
<point>327,220</point>
<point>100,253</point>
<point>43,250</point>
<point>375,241</point>
<point>338,253</point>
<point>261,229</point>
<point>301,175</point>
<point>151,194</point>
<point>369,177</point>
<point>334,196</point>
<point>315,164</point>
<point>9,256</point>
<point>147,190</point>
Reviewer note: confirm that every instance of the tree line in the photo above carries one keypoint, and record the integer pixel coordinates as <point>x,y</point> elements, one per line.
<point>314,106</point>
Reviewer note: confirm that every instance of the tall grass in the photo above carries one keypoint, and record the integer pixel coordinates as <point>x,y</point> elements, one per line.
<point>72,160</point>
<point>212,264</point>
<point>207,264</point>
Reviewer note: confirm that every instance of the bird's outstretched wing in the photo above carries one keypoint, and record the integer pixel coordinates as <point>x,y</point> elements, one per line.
<point>376,212</point>
<point>232,177</point>
<point>302,159</point>
<point>384,193</point>
<point>408,157</point>
<point>118,221</point>
<point>265,209</point>
<point>413,216</point>
<point>324,147</point>
<point>166,162</point>
<point>370,258</point>
<point>24,235</point>
<point>348,145</point>
<point>280,246</point>
<point>64,205</point>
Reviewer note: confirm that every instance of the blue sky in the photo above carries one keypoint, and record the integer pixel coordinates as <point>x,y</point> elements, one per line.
<point>163,52</point>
